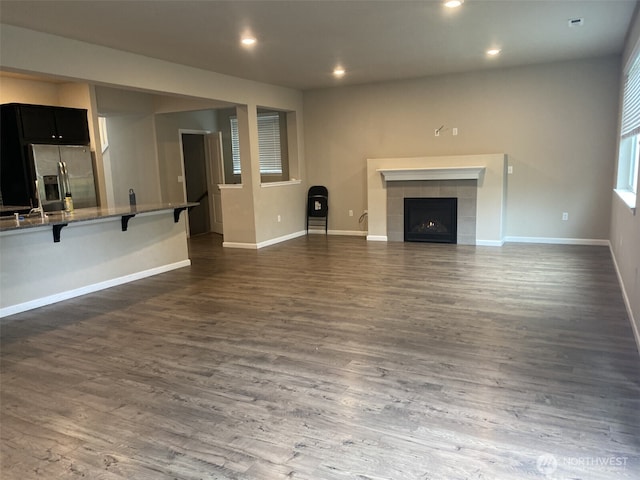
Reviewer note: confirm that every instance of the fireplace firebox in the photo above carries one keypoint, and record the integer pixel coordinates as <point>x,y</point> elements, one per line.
<point>431,220</point>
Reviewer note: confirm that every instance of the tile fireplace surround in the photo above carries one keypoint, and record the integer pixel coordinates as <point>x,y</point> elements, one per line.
<point>464,190</point>
<point>488,171</point>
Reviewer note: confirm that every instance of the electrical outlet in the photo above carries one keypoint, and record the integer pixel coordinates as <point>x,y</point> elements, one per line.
<point>565,216</point>
<point>510,169</point>
<point>455,131</point>
<point>437,132</point>
<point>279,218</point>
<point>351,213</point>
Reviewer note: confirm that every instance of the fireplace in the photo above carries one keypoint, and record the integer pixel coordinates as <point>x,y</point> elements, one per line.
<point>431,219</point>
<point>481,219</point>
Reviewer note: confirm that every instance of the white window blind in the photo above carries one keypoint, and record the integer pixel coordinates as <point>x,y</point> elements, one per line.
<point>235,146</point>
<point>629,150</point>
<point>268,144</point>
<point>631,102</point>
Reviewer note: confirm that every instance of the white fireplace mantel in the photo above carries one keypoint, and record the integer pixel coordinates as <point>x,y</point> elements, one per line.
<point>447,173</point>
<point>490,171</point>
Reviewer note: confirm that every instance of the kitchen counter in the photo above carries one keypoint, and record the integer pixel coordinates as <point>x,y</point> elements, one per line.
<point>61,219</point>
<point>99,248</point>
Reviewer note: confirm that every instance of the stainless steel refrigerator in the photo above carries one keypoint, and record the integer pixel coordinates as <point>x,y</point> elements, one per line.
<point>61,169</point>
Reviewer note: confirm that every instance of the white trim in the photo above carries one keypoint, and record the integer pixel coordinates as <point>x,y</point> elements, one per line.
<point>348,233</point>
<point>284,238</point>
<point>558,241</point>
<point>627,302</point>
<point>489,243</point>
<point>266,243</point>
<point>280,184</point>
<point>351,233</point>
<point>446,173</point>
<point>229,186</point>
<point>377,238</point>
<point>76,292</point>
<point>194,132</point>
<point>247,246</point>
<point>628,197</point>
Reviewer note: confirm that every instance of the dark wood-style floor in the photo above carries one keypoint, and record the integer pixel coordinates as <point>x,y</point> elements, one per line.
<point>332,359</point>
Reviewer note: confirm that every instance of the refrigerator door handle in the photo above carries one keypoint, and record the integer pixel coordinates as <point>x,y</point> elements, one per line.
<point>61,178</point>
<point>64,178</point>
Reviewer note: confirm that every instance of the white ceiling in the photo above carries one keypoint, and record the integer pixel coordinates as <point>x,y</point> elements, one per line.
<point>300,42</point>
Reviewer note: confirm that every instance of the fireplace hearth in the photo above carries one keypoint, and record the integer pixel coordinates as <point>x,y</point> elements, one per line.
<point>431,220</point>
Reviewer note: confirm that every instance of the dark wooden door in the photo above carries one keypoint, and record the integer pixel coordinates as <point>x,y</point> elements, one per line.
<point>193,150</point>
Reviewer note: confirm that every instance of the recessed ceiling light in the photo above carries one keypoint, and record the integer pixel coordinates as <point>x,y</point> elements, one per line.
<point>339,72</point>
<point>453,3</point>
<point>248,41</point>
<point>493,52</point>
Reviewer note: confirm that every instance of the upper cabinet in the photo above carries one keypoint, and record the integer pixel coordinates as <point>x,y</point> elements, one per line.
<point>46,124</point>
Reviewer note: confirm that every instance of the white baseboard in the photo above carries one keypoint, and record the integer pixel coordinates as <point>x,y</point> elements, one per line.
<point>284,238</point>
<point>627,303</point>
<point>489,243</point>
<point>348,233</point>
<point>76,292</point>
<point>266,243</point>
<point>248,246</point>
<point>558,241</point>
<point>499,243</point>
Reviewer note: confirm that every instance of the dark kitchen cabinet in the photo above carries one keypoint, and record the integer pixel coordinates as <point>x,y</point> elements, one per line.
<point>56,125</point>
<point>22,125</point>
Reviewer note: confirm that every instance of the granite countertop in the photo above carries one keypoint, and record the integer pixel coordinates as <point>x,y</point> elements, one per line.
<point>85,214</point>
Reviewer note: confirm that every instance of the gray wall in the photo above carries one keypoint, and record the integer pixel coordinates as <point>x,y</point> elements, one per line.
<point>557,122</point>
<point>131,156</point>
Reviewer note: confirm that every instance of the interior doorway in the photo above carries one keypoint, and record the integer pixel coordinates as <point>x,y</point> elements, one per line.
<point>203,172</point>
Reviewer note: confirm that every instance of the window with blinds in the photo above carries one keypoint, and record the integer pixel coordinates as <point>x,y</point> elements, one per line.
<point>631,101</point>
<point>235,146</point>
<point>630,132</point>
<point>269,144</point>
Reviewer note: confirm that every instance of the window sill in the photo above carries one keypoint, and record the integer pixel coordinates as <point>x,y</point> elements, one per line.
<point>281,184</point>
<point>228,186</point>
<point>629,198</point>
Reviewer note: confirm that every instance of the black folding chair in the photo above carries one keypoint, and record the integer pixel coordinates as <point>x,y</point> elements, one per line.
<point>318,206</point>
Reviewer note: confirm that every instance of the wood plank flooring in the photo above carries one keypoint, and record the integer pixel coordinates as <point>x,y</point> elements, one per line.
<point>331,359</point>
